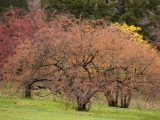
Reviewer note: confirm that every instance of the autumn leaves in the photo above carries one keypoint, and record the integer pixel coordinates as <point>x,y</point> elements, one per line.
<point>81,58</point>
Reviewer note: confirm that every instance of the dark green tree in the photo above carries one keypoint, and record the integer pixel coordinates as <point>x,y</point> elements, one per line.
<point>142,13</point>
<point>7,4</point>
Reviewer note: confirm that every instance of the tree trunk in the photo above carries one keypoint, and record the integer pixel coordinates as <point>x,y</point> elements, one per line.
<point>82,107</point>
<point>125,100</point>
<point>1,76</point>
<point>36,9</point>
<point>82,103</point>
<point>112,99</point>
<point>27,91</point>
<point>112,103</point>
<point>34,5</point>
<point>83,98</point>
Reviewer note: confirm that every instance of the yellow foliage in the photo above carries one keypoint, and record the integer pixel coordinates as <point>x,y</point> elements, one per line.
<point>132,31</point>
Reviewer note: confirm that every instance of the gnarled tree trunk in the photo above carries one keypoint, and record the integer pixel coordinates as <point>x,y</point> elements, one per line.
<point>28,87</point>
<point>83,98</point>
<point>112,98</point>
<point>27,91</point>
<point>82,106</point>
<point>125,100</point>
<point>0,75</point>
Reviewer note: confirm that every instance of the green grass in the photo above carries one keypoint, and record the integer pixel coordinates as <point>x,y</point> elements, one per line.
<point>24,109</point>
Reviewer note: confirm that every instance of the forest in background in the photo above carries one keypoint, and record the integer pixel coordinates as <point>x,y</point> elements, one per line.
<point>142,13</point>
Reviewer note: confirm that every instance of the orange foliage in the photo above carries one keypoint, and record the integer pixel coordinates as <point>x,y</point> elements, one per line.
<point>81,58</point>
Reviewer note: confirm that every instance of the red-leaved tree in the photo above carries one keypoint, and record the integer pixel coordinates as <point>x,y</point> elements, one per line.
<point>15,27</point>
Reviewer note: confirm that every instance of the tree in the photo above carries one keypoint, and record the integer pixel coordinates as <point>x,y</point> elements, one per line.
<point>133,12</point>
<point>156,32</point>
<point>30,65</point>
<point>34,5</point>
<point>93,59</point>
<point>81,58</point>
<point>15,26</point>
<point>138,60</point>
<point>6,5</point>
<point>32,62</point>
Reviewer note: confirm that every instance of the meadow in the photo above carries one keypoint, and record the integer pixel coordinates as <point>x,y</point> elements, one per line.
<point>26,109</point>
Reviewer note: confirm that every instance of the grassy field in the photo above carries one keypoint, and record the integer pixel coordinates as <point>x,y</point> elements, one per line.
<point>23,109</point>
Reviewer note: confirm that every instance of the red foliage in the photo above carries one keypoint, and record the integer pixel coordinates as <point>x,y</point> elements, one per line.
<point>78,58</point>
<point>15,26</point>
